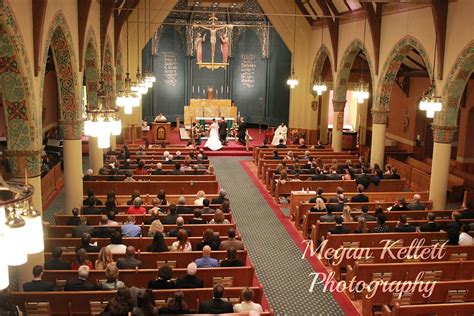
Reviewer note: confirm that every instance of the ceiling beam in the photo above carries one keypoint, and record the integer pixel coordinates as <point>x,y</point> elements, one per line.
<point>39,13</point>
<point>416,62</point>
<point>348,6</point>
<point>374,16</point>
<point>120,19</point>
<point>333,25</point>
<point>333,8</point>
<point>439,9</point>
<point>83,9</point>
<point>303,9</point>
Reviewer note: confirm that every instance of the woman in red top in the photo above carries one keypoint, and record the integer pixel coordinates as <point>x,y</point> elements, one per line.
<point>137,207</point>
<point>81,259</point>
<point>141,170</point>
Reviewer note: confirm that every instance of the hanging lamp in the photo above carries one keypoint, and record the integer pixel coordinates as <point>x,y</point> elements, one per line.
<point>430,102</point>
<point>292,80</point>
<point>127,98</point>
<point>149,77</point>
<point>140,85</point>
<point>320,86</point>
<point>361,92</point>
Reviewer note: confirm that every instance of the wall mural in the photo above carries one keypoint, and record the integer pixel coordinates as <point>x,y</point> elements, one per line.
<point>107,68</point>
<point>91,71</point>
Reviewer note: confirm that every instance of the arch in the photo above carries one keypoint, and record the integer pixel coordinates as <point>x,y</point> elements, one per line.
<point>60,40</point>
<point>392,65</point>
<point>91,69</point>
<point>118,68</point>
<point>108,67</point>
<point>318,64</point>
<point>345,68</point>
<point>22,118</point>
<point>455,84</point>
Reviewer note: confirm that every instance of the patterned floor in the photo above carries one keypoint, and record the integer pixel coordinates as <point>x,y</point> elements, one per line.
<point>277,260</point>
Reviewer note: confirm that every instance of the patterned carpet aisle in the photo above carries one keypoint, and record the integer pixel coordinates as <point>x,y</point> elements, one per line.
<point>277,260</point>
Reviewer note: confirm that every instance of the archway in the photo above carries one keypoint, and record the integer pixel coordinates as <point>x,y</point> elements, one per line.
<point>59,40</point>
<point>383,97</point>
<point>118,68</point>
<point>322,69</point>
<point>355,64</point>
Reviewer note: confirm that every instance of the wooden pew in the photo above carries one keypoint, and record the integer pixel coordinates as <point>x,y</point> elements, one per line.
<point>62,219</point>
<point>147,198</point>
<point>196,229</point>
<point>303,196</point>
<point>458,309</point>
<point>176,187</point>
<point>443,291</point>
<point>77,303</point>
<point>186,177</point>
<point>140,243</point>
<point>298,152</point>
<point>257,150</point>
<point>149,259</point>
<point>310,218</point>
<point>243,276</point>
<point>164,208</point>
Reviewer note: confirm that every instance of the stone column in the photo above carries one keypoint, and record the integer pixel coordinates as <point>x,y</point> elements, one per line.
<point>113,142</point>
<point>442,137</point>
<point>323,124</point>
<point>71,132</point>
<point>338,124</point>
<point>379,125</point>
<point>96,155</point>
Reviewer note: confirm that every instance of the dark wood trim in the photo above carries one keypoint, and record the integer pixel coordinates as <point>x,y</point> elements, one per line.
<point>348,6</point>
<point>312,9</point>
<point>333,24</point>
<point>440,17</point>
<point>333,8</point>
<point>374,16</point>
<point>303,9</point>
<point>416,62</point>
<point>83,9</point>
<point>120,19</point>
<point>107,8</point>
<point>39,14</point>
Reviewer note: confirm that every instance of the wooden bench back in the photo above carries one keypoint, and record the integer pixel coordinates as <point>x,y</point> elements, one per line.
<point>458,309</point>
<point>186,177</point>
<point>152,187</point>
<point>147,198</point>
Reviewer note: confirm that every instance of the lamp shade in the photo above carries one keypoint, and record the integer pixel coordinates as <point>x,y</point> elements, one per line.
<point>34,226</point>
<point>15,239</point>
<point>4,277</point>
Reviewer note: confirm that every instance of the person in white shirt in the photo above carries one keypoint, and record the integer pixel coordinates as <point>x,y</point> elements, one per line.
<point>160,118</point>
<point>280,133</point>
<point>200,196</point>
<point>247,305</point>
<point>464,238</point>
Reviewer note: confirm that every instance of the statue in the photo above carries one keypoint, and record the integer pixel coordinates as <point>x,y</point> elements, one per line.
<point>213,30</point>
<point>210,93</point>
<point>198,46</point>
<point>225,47</point>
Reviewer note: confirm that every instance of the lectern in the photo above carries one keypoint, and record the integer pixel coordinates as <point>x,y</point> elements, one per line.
<point>160,132</point>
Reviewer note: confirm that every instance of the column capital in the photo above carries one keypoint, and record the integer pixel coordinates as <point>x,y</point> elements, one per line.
<point>338,106</point>
<point>19,161</point>
<point>70,129</point>
<point>443,134</point>
<point>379,116</point>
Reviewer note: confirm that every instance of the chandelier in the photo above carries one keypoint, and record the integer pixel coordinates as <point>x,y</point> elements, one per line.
<point>103,121</point>
<point>21,228</point>
<point>293,81</point>
<point>429,101</point>
<point>320,86</point>
<point>127,98</point>
<point>362,89</point>
<point>140,86</point>
<point>148,75</point>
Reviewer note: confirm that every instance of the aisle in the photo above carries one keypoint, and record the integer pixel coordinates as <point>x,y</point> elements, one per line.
<point>279,267</point>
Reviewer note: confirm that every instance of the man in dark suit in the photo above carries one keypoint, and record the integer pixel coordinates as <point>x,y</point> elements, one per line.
<point>82,228</point>
<point>216,305</point>
<point>360,197</point>
<point>86,244</point>
<point>179,225</point>
<point>154,215</point>
<point>103,231</point>
<point>335,199</point>
<point>221,198</point>
<point>81,283</point>
<point>275,155</point>
<point>177,170</point>
<point>416,204</point>
<point>190,281</point>
<point>75,219</point>
<point>159,170</point>
<point>129,262</point>
<point>281,144</point>
<point>171,217</point>
<point>366,215</point>
<point>91,197</point>
<point>223,131</point>
<point>56,263</point>
<point>206,209</point>
<point>197,219</point>
<point>403,226</point>
<point>241,131</point>
<point>90,208</point>
<point>393,175</point>
<point>181,209</point>
<point>364,179</point>
<point>431,226</point>
<point>318,175</point>
<point>38,284</point>
<point>329,217</point>
<point>319,194</point>
<point>338,229</point>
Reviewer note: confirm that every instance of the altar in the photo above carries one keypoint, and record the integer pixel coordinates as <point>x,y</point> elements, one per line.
<point>205,108</point>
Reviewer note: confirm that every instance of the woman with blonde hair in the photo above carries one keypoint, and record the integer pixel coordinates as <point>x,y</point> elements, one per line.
<point>211,170</point>
<point>320,206</point>
<point>361,226</point>
<point>346,214</point>
<point>200,196</point>
<point>104,259</point>
<point>156,226</point>
<point>111,275</point>
<point>219,218</point>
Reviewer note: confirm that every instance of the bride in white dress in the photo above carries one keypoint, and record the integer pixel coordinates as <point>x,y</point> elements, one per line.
<point>213,142</point>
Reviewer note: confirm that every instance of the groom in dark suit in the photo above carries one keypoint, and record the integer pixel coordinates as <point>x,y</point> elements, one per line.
<point>223,131</point>
<point>241,131</point>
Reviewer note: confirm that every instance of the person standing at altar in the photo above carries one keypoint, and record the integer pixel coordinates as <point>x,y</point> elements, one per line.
<point>241,131</point>
<point>280,133</point>
<point>223,131</point>
<point>160,118</point>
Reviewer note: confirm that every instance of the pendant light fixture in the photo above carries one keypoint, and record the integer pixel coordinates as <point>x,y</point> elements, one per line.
<point>429,101</point>
<point>362,89</point>
<point>127,98</point>
<point>320,86</point>
<point>139,86</point>
<point>292,80</point>
<point>149,77</point>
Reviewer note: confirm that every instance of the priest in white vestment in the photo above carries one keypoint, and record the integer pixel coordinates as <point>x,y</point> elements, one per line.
<point>280,133</point>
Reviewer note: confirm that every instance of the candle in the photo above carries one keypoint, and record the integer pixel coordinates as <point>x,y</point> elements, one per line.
<point>222,89</point>
<point>227,89</point>
<point>198,89</point>
<point>193,88</point>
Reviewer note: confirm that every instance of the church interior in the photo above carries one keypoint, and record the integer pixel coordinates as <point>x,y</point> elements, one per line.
<point>260,157</point>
